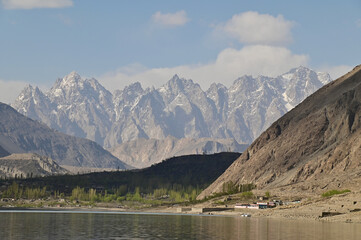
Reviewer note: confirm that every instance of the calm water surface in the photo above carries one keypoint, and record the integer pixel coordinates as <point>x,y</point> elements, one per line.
<point>106,225</point>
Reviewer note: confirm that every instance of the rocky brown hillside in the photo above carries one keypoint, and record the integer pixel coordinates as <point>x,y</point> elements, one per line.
<point>314,147</point>
<point>19,134</point>
<point>25,165</point>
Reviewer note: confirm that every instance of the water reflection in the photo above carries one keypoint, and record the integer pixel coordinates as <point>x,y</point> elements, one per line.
<point>60,225</point>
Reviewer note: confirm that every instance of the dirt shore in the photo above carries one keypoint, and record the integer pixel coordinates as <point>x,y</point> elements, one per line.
<point>339,208</point>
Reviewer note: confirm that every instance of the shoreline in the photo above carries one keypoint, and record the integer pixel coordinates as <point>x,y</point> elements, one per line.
<point>281,213</point>
<point>344,207</point>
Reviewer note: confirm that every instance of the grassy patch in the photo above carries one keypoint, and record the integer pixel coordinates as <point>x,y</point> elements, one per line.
<point>334,192</point>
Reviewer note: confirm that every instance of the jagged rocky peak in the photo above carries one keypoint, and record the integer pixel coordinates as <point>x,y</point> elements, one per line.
<point>216,89</point>
<point>129,92</point>
<point>67,81</point>
<point>301,70</point>
<point>72,77</point>
<point>24,96</point>
<point>245,84</point>
<point>74,81</point>
<point>174,84</point>
<point>306,74</point>
<point>177,85</point>
<point>125,99</point>
<point>134,88</point>
<point>75,88</point>
<point>218,93</point>
<point>29,98</point>
<point>82,107</point>
<point>301,82</point>
<point>28,92</point>
<point>62,86</point>
<point>216,86</point>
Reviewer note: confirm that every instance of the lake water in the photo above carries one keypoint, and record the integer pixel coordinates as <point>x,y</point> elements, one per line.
<point>107,225</point>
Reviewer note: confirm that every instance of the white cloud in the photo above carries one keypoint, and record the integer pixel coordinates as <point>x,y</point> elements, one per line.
<point>170,19</point>
<point>254,28</point>
<point>10,90</point>
<point>336,71</point>
<point>229,65</point>
<point>30,4</point>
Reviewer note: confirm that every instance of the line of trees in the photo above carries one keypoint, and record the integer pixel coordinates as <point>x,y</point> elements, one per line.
<point>232,188</point>
<point>17,192</point>
<point>174,194</point>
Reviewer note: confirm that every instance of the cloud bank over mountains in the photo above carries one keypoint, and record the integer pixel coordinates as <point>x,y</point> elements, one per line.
<point>230,64</point>
<point>264,53</point>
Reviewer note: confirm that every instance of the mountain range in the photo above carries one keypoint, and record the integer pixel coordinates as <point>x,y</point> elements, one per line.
<point>180,108</point>
<point>314,147</point>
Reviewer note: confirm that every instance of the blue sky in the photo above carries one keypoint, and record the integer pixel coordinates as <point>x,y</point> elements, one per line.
<point>119,41</point>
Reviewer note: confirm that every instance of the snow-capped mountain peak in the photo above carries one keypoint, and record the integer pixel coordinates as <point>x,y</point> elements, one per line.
<point>68,81</point>
<point>324,77</point>
<point>179,108</point>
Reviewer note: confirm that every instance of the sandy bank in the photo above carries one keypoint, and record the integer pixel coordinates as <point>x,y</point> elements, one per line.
<point>340,208</point>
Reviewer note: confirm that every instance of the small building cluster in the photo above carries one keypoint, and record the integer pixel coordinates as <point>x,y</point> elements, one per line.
<point>258,205</point>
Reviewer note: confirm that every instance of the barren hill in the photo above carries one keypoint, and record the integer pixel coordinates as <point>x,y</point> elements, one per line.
<point>316,146</point>
<point>23,165</point>
<point>19,134</point>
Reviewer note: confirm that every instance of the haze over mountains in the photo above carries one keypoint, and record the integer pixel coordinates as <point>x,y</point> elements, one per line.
<point>142,152</point>
<point>314,147</point>
<point>180,108</point>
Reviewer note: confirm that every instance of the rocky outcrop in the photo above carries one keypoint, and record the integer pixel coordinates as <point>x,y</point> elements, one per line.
<point>27,165</point>
<point>315,146</point>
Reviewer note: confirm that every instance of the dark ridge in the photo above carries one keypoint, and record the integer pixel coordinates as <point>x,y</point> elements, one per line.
<point>184,171</point>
